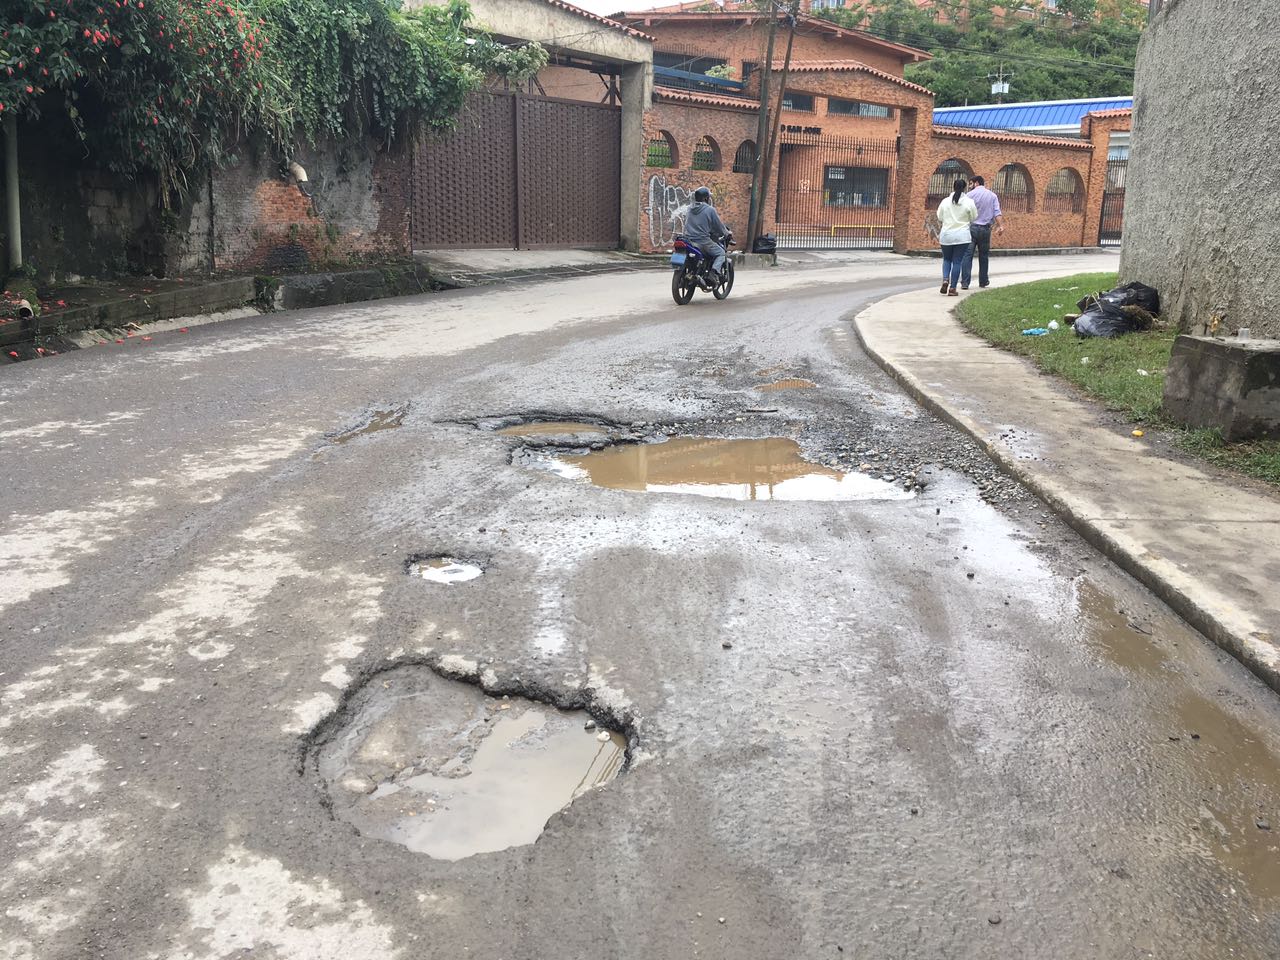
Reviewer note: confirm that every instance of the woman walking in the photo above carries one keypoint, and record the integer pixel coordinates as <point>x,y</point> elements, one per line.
<point>955,213</point>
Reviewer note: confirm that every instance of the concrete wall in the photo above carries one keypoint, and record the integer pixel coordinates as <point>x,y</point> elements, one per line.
<point>1202,212</point>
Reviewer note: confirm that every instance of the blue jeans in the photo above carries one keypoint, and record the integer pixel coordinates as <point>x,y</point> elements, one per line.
<point>712,249</point>
<point>953,261</point>
<point>982,246</point>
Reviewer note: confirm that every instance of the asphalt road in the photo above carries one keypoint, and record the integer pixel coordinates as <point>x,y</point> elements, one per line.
<point>944,726</point>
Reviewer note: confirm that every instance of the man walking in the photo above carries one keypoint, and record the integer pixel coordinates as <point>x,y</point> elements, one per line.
<point>989,217</point>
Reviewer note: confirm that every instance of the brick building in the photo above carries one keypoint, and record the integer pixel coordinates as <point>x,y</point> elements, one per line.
<point>859,159</point>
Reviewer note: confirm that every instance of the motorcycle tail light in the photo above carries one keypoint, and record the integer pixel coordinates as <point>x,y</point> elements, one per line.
<point>681,245</point>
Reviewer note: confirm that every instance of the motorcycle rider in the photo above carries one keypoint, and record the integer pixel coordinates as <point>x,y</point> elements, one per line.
<point>704,227</point>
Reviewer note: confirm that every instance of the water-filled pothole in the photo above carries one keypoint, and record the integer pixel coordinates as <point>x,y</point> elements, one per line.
<point>769,469</point>
<point>552,428</point>
<point>442,569</point>
<point>383,418</point>
<point>792,383</point>
<point>442,768</point>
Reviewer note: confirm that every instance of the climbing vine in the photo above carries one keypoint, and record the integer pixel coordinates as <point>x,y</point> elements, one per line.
<point>167,85</point>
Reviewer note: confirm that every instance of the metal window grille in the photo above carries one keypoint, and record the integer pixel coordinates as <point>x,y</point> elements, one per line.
<point>943,179</point>
<point>1013,186</point>
<point>801,102</point>
<point>856,187</point>
<point>744,160</point>
<point>837,106</point>
<point>661,151</point>
<point>706,155</point>
<point>1065,192</point>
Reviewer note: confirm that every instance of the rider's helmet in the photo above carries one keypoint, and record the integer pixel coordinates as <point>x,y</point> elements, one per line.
<point>702,195</point>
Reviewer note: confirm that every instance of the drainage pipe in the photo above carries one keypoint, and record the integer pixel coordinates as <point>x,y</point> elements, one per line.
<point>11,192</point>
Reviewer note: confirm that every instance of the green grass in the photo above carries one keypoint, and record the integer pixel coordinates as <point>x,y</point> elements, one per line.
<point>1107,370</point>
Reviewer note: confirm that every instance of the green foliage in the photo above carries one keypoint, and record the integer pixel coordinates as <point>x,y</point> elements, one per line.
<point>1087,48</point>
<point>164,86</point>
<point>721,71</point>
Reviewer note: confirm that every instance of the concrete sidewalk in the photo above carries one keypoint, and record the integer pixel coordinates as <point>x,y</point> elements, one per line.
<point>1205,542</point>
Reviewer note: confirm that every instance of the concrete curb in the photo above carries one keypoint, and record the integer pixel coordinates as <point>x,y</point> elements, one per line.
<point>1130,554</point>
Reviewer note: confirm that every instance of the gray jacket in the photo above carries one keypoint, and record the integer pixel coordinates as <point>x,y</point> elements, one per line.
<point>703,225</point>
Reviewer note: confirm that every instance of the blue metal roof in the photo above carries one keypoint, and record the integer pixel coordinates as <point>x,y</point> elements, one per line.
<point>1046,115</point>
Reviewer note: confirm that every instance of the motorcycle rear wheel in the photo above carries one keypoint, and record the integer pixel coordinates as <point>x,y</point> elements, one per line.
<point>723,286</point>
<point>683,284</point>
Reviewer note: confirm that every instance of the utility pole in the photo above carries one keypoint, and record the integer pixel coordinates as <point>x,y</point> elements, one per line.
<point>762,131</point>
<point>11,192</point>
<point>1000,83</point>
<point>777,115</point>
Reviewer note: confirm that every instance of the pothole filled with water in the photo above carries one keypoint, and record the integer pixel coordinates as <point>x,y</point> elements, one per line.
<point>792,383</point>
<point>769,469</point>
<point>442,569</point>
<point>442,768</point>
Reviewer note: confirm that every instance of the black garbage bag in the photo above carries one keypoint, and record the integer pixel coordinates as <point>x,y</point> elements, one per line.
<point>1106,319</point>
<point>1133,294</point>
<point>765,244</point>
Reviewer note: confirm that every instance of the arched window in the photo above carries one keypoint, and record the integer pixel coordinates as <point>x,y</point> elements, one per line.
<point>1013,187</point>
<point>941,183</point>
<point>744,161</point>
<point>706,155</point>
<point>1065,192</point>
<point>662,151</point>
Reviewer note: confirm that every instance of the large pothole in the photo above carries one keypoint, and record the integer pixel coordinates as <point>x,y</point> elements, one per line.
<point>442,768</point>
<point>772,468</point>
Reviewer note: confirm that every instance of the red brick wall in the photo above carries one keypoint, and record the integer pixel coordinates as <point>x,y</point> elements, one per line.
<point>664,189</point>
<point>1037,228</point>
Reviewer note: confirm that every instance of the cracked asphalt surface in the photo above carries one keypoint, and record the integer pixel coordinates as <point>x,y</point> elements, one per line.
<point>945,726</point>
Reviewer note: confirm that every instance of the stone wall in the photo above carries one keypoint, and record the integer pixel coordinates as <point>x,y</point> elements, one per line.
<point>78,221</point>
<point>1202,210</point>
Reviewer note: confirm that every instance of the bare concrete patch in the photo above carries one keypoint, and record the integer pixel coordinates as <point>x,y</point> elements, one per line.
<point>440,766</point>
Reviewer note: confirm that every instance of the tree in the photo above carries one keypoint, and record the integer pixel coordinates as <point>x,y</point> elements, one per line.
<point>1060,59</point>
<point>165,86</point>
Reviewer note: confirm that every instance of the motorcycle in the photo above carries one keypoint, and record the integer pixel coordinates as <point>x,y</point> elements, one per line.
<point>691,270</point>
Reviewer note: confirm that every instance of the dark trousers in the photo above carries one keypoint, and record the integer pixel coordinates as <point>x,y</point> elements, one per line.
<point>982,245</point>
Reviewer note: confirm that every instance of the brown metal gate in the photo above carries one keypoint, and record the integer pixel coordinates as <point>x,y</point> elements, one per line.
<point>835,192</point>
<point>521,171</point>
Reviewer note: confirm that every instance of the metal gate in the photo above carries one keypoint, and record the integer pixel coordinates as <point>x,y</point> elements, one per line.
<point>1111,229</point>
<point>835,192</point>
<point>520,171</point>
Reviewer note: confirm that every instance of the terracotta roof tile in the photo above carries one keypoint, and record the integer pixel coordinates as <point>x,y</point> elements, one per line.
<point>849,66</point>
<point>704,99</point>
<point>578,11</point>
<point>1108,114</point>
<point>1000,136</point>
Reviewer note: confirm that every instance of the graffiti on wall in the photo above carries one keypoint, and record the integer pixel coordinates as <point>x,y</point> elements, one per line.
<point>668,205</point>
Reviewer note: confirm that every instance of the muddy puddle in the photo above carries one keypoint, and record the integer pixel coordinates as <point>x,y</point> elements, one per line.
<point>447,570</point>
<point>768,469</point>
<point>1232,811</point>
<point>387,418</point>
<point>791,383</point>
<point>443,769</point>
<point>552,428</point>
